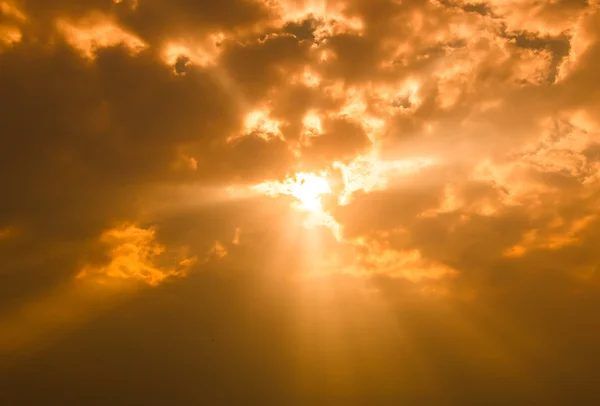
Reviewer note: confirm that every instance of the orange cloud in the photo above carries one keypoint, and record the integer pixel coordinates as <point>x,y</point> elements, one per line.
<point>374,259</point>
<point>10,9</point>
<point>441,155</point>
<point>97,31</point>
<point>10,35</point>
<point>133,255</point>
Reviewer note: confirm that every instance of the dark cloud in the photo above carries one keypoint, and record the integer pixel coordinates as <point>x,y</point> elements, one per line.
<point>157,20</point>
<point>341,141</point>
<point>260,65</point>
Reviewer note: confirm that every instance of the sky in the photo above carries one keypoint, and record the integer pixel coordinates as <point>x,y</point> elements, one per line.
<point>311,202</point>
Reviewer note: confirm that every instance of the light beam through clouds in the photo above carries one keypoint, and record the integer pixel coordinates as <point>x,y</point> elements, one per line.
<point>319,202</point>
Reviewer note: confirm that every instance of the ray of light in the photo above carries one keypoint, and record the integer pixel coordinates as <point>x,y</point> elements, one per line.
<point>41,322</point>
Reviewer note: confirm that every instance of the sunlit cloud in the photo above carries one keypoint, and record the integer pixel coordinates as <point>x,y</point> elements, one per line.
<point>185,162</point>
<point>368,173</point>
<point>202,53</point>
<point>10,35</point>
<point>133,253</point>
<point>308,78</point>
<point>329,16</point>
<point>583,36</point>
<point>434,163</point>
<point>391,100</point>
<point>237,236</point>
<point>338,25</point>
<point>10,9</point>
<point>259,123</point>
<point>550,18</point>
<point>375,259</point>
<point>132,4</point>
<point>98,31</point>
<point>133,259</point>
<point>217,251</point>
<point>294,10</point>
<point>312,127</point>
<point>558,234</point>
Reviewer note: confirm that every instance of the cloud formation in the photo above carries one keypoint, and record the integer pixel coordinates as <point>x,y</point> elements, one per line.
<point>445,154</point>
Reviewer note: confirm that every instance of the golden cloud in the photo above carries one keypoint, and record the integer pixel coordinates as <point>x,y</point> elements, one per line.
<point>445,147</point>
<point>133,253</point>
<point>98,31</point>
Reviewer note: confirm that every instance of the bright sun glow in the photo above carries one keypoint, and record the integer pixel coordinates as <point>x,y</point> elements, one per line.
<point>366,173</point>
<point>307,188</point>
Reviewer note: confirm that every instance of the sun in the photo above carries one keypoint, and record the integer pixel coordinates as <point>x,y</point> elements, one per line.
<point>306,188</point>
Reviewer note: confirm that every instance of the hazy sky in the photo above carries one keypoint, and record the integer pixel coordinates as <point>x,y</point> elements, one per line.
<point>317,202</point>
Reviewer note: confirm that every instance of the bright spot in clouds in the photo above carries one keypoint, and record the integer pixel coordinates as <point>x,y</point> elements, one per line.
<point>306,188</point>
<point>223,150</point>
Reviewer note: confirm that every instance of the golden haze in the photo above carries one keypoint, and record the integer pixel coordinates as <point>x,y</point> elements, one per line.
<point>299,202</point>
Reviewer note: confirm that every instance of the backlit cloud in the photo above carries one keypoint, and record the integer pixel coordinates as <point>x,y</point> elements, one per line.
<point>429,165</point>
<point>97,32</point>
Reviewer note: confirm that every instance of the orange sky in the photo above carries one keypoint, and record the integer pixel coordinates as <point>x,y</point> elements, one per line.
<point>311,202</point>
